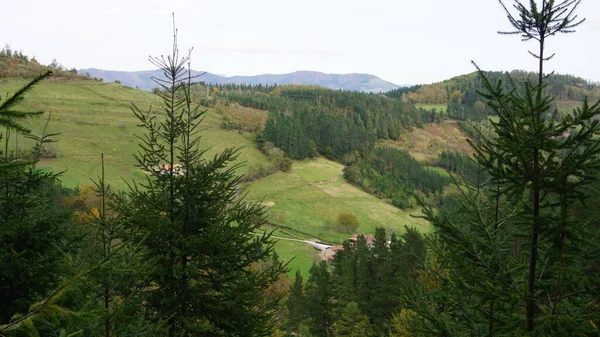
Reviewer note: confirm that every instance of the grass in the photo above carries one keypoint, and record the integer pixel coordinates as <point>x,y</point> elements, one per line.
<point>95,118</point>
<point>426,143</point>
<point>442,171</point>
<point>310,198</point>
<point>438,107</point>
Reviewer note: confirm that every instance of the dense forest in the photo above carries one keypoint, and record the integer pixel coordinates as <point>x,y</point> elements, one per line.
<point>358,295</point>
<point>460,93</point>
<point>394,174</point>
<point>308,121</point>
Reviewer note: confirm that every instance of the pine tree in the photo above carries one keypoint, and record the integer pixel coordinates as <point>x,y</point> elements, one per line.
<point>31,223</point>
<point>295,305</point>
<point>352,323</point>
<point>196,229</point>
<point>319,294</point>
<point>543,172</point>
<point>516,241</point>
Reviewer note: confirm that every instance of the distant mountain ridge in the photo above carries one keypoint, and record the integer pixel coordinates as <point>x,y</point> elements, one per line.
<point>351,82</point>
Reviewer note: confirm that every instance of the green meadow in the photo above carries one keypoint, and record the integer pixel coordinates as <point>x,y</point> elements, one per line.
<point>94,118</point>
<point>438,107</point>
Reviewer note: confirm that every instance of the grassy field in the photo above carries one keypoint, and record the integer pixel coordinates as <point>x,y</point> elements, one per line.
<point>95,118</point>
<point>442,171</point>
<point>438,107</point>
<point>426,143</point>
<point>311,197</point>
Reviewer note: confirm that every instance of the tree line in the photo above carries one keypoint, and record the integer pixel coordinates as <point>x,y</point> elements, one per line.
<point>13,63</point>
<point>305,121</point>
<point>357,294</point>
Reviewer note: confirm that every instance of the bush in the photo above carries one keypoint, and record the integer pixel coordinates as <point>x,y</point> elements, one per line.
<point>348,222</point>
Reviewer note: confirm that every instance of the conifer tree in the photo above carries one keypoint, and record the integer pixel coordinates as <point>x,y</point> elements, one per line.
<point>352,323</point>
<point>196,229</point>
<point>295,305</point>
<point>515,258</point>
<point>30,222</point>
<point>319,300</point>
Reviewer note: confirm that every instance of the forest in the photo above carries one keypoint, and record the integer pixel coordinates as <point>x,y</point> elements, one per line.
<point>514,246</point>
<point>305,122</point>
<point>461,94</point>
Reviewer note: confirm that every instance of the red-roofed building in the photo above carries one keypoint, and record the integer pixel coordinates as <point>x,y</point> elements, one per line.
<point>329,253</point>
<point>368,237</point>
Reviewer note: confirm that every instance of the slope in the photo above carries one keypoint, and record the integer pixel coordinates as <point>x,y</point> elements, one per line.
<point>310,199</point>
<point>95,118</point>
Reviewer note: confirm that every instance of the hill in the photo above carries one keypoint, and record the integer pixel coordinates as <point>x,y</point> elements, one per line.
<point>351,82</point>
<point>459,99</point>
<point>14,64</point>
<point>310,198</point>
<point>95,117</point>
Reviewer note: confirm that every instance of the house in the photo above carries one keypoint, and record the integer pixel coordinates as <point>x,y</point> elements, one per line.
<point>329,253</point>
<point>368,237</point>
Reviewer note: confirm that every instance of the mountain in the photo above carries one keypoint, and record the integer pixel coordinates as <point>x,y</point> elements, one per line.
<point>351,82</point>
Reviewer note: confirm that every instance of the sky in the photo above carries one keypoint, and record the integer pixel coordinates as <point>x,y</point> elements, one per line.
<point>401,41</point>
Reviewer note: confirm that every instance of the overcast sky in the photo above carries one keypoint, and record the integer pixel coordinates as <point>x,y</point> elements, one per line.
<point>401,41</point>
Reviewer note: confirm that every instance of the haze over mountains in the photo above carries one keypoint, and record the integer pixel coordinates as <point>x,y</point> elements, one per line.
<point>351,82</point>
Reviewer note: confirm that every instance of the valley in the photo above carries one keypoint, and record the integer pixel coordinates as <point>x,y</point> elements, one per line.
<point>276,201</point>
<point>94,118</point>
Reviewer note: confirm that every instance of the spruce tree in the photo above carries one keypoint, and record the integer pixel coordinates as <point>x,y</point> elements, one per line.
<point>295,305</point>
<point>352,323</point>
<point>515,258</point>
<point>319,295</point>
<point>196,229</point>
<point>30,221</point>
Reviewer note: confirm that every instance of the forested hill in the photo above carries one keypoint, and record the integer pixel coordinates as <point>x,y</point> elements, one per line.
<point>562,87</point>
<point>458,96</point>
<point>307,121</point>
<point>14,64</point>
<point>352,82</point>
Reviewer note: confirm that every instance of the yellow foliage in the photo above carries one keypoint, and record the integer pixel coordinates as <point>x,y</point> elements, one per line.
<point>401,323</point>
<point>95,212</point>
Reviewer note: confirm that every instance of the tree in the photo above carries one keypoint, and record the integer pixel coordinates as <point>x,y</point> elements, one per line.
<point>544,169</point>
<point>31,221</point>
<point>319,294</point>
<point>515,241</point>
<point>295,305</point>
<point>352,323</point>
<point>197,232</point>
<point>348,222</point>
